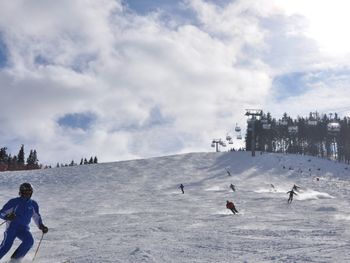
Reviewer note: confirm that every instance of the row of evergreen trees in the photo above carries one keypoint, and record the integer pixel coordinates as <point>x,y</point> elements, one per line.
<point>18,162</point>
<point>10,162</point>
<point>321,136</point>
<point>82,161</point>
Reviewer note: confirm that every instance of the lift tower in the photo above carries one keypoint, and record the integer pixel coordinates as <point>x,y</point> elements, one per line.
<point>255,114</point>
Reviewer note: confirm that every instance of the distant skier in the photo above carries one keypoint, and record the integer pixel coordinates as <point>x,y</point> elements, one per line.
<point>273,187</point>
<point>18,213</point>
<point>291,195</point>
<point>182,188</point>
<point>231,206</point>
<point>232,187</point>
<point>228,172</point>
<point>296,188</point>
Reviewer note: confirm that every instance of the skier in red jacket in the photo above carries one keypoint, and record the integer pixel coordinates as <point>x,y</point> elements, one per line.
<point>231,206</point>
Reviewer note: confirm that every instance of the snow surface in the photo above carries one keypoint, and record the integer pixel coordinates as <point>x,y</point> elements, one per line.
<point>134,211</point>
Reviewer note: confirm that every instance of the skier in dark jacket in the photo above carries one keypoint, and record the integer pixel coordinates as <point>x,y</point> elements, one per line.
<point>231,206</point>
<point>182,188</point>
<point>18,213</point>
<point>232,187</point>
<point>295,188</point>
<point>291,194</point>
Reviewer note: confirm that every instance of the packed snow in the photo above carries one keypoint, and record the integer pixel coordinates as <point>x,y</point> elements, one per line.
<point>134,211</point>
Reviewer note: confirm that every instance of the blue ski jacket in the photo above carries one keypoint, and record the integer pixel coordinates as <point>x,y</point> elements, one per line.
<point>25,210</point>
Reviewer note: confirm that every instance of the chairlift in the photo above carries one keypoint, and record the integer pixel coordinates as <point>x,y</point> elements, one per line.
<point>312,122</point>
<point>333,127</point>
<point>228,137</point>
<point>283,122</point>
<point>266,126</point>
<point>213,145</point>
<point>230,141</point>
<point>293,129</point>
<point>223,144</point>
<point>239,137</point>
<point>237,128</point>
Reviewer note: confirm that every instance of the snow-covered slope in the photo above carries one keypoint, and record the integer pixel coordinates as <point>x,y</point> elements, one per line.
<point>134,211</point>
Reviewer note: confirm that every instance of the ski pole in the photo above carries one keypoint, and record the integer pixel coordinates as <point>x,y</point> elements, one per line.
<point>37,249</point>
<point>3,222</point>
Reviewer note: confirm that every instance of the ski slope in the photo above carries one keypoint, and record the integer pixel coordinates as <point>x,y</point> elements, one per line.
<point>134,211</point>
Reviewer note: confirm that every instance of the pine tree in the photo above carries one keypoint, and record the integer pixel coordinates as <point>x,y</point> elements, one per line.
<point>91,161</point>
<point>81,161</point>
<point>32,160</point>
<point>20,156</point>
<point>3,155</point>
<point>95,160</point>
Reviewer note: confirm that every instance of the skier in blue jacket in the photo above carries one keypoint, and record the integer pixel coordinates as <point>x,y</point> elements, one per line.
<point>18,213</point>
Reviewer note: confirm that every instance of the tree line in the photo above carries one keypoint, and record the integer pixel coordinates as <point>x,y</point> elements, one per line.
<point>322,136</point>
<point>92,160</point>
<point>10,162</point>
<point>18,162</point>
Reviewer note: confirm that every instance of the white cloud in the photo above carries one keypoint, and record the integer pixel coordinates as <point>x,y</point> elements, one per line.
<point>94,56</point>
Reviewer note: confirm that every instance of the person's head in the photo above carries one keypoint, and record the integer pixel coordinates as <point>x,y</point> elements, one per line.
<point>26,190</point>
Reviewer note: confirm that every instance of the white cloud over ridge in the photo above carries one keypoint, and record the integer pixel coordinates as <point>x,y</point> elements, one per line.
<point>156,87</point>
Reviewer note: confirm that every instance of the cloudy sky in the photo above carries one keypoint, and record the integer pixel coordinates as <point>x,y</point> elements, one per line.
<point>125,79</point>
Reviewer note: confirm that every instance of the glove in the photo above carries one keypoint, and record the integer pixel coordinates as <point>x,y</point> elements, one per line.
<point>43,228</point>
<point>11,216</point>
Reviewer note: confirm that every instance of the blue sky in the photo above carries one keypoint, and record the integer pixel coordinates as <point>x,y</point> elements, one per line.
<point>133,79</point>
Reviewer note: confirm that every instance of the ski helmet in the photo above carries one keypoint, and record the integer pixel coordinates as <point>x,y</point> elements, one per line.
<point>26,190</point>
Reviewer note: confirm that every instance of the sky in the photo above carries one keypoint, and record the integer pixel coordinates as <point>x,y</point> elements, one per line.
<point>127,79</point>
<point>134,211</point>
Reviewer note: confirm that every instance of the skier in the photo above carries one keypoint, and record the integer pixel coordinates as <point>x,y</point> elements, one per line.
<point>273,187</point>
<point>228,172</point>
<point>291,194</point>
<point>296,188</point>
<point>182,188</point>
<point>232,187</point>
<point>18,213</point>
<point>231,206</point>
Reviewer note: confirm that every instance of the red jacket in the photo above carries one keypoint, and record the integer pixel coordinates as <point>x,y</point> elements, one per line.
<point>230,205</point>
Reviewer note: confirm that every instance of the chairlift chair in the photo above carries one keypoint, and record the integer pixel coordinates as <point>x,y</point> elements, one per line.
<point>239,137</point>
<point>283,122</point>
<point>266,126</point>
<point>333,127</point>
<point>237,128</point>
<point>228,137</point>
<point>312,122</point>
<point>293,129</point>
